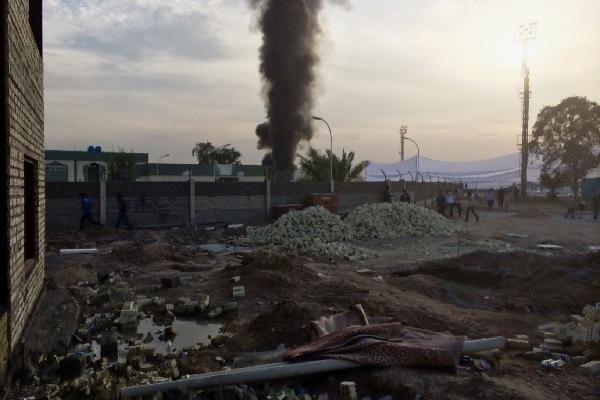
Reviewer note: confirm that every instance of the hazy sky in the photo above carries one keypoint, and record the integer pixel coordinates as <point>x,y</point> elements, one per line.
<point>157,76</point>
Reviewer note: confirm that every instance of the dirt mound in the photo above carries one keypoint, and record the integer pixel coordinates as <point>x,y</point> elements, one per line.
<point>270,273</point>
<point>286,323</point>
<point>511,281</point>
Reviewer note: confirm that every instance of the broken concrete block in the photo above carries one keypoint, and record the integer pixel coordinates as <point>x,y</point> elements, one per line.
<point>552,344</point>
<point>365,271</point>
<point>230,306</point>
<point>236,279</point>
<point>215,312</point>
<point>238,292</point>
<point>129,313</point>
<point>348,391</point>
<point>577,318</point>
<point>522,337</point>
<point>518,344</point>
<point>592,367</point>
<point>203,301</point>
<point>535,354</point>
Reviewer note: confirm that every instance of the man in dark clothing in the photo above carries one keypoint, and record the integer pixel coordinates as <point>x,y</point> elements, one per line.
<point>123,216</point>
<point>596,204</point>
<point>387,195</point>
<point>501,198</point>
<point>441,203</point>
<point>405,197</point>
<point>86,211</point>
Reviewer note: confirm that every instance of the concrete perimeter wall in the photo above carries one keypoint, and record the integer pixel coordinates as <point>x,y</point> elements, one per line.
<point>178,203</point>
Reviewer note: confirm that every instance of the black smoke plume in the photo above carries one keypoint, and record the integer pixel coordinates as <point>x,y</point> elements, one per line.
<point>288,57</point>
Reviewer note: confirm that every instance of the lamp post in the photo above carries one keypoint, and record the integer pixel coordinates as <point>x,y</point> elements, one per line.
<point>416,162</point>
<point>158,161</point>
<point>331,184</point>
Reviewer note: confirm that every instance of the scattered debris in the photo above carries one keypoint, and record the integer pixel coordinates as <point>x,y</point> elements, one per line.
<point>78,251</point>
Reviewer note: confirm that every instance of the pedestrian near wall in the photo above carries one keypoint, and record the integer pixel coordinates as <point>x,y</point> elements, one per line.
<point>123,213</point>
<point>387,195</point>
<point>501,198</point>
<point>470,202</point>
<point>490,198</point>
<point>441,203</point>
<point>86,211</point>
<point>405,197</point>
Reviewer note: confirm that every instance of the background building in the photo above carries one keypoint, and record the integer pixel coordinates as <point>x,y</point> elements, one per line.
<point>22,200</point>
<point>81,166</point>
<point>200,173</point>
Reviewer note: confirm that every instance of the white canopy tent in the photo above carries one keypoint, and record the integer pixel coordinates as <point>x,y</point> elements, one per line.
<point>492,173</point>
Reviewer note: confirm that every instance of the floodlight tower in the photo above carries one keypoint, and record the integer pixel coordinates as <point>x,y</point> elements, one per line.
<point>525,33</point>
<point>403,132</point>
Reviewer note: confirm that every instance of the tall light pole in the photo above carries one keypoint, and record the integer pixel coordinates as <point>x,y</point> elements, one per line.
<point>158,161</point>
<point>331,184</point>
<point>525,33</point>
<point>403,132</point>
<point>416,163</point>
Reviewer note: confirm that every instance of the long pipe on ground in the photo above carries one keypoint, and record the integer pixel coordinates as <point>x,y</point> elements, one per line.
<point>275,371</point>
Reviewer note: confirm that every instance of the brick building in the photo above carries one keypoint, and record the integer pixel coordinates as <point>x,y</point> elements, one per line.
<point>22,203</point>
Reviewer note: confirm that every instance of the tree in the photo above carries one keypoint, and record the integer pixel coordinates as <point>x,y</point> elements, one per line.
<point>121,166</point>
<point>552,182</point>
<point>315,166</point>
<point>206,153</point>
<point>567,138</point>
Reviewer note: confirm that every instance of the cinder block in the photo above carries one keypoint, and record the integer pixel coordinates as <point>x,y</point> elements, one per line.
<point>592,367</point>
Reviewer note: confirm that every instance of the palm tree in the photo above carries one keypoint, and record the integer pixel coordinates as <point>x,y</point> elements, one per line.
<point>315,166</point>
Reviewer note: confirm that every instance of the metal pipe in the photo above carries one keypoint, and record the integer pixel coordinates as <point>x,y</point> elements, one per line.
<point>275,371</point>
<point>242,375</point>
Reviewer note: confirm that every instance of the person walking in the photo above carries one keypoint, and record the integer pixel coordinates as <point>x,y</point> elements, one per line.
<point>457,202</point>
<point>123,215</point>
<point>86,211</point>
<point>441,203</point>
<point>501,198</point>
<point>596,204</point>
<point>470,207</point>
<point>405,197</point>
<point>490,198</point>
<point>450,203</point>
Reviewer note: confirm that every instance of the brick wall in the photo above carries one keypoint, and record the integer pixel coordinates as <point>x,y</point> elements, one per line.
<point>25,140</point>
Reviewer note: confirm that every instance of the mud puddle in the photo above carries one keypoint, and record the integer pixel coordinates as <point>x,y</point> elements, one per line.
<point>188,332</point>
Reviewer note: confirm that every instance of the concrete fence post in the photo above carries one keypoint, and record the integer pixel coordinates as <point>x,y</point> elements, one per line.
<point>102,202</point>
<point>268,198</point>
<point>192,200</point>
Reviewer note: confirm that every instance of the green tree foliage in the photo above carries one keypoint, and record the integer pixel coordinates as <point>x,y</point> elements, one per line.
<point>315,166</point>
<point>121,166</point>
<point>206,153</point>
<point>567,138</point>
<point>552,181</point>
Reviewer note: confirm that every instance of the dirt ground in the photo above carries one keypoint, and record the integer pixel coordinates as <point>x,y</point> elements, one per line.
<point>487,280</point>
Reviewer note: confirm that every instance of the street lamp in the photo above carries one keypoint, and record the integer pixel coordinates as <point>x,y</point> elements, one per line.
<point>331,185</point>
<point>158,161</point>
<point>416,163</point>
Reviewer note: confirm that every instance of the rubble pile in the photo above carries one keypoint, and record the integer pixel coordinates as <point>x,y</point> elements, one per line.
<point>313,232</point>
<point>393,220</point>
<point>316,232</point>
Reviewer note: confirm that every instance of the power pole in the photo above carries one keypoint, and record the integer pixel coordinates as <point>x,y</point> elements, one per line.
<point>403,132</point>
<point>525,33</point>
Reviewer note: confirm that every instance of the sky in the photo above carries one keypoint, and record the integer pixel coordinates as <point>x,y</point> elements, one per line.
<point>157,76</point>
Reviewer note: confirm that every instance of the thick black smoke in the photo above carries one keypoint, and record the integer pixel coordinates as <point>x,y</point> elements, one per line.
<point>288,57</point>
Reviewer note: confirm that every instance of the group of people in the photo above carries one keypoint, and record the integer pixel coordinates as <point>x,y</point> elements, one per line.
<point>575,206</point>
<point>86,212</point>
<point>447,202</point>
